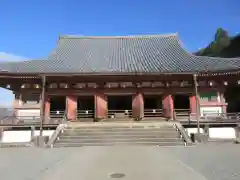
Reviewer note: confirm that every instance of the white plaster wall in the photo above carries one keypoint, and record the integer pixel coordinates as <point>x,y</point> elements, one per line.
<point>28,112</point>
<point>22,136</point>
<point>217,133</point>
<point>16,136</point>
<point>222,133</point>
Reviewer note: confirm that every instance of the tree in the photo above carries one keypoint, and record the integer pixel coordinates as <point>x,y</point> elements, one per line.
<point>221,41</point>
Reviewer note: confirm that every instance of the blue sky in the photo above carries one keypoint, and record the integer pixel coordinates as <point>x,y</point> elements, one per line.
<point>29,29</point>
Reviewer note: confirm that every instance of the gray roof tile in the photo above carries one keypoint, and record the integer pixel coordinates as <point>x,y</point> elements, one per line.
<point>129,54</point>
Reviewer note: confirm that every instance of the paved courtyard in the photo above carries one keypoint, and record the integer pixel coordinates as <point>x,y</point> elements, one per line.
<point>212,162</point>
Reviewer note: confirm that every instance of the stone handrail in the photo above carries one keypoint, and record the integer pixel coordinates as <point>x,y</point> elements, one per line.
<point>184,133</point>
<point>55,135</point>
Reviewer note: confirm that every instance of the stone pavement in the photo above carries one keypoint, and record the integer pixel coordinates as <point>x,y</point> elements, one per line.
<point>212,162</point>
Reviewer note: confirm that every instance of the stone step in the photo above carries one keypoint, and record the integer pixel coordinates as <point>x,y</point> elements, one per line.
<point>118,127</point>
<point>179,143</point>
<point>119,134</point>
<point>129,133</point>
<point>121,130</point>
<point>99,136</point>
<point>113,140</point>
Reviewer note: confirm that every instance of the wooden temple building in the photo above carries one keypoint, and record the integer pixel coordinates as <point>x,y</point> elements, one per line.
<point>119,77</point>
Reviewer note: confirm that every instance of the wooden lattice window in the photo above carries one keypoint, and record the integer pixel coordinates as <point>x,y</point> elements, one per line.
<point>25,86</point>
<point>37,86</point>
<point>79,85</point>
<point>53,86</point>
<point>63,85</point>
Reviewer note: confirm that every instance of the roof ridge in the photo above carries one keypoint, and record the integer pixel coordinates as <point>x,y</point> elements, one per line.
<point>116,37</point>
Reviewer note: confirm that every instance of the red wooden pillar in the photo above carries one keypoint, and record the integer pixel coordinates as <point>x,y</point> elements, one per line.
<point>71,101</point>
<point>168,106</point>
<point>138,106</point>
<point>193,105</point>
<point>101,109</point>
<point>47,109</point>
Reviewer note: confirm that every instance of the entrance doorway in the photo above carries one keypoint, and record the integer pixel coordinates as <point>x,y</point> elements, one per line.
<point>232,97</point>
<point>153,106</point>
<point>57,106</point>
<point>181,104</point>
<point>85,107</point>
<point>119,106</point>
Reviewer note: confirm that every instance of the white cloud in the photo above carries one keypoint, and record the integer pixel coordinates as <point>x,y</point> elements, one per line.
<point>6,96</point>
<point>6,57</point>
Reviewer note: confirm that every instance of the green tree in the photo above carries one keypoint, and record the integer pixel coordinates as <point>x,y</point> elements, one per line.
<point>221,41</point>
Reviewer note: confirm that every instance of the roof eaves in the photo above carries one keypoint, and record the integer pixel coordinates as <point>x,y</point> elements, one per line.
<point>115,37</point>
<point>229,71</point>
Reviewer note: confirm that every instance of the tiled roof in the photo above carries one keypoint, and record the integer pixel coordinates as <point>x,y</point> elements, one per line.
<point>128,54</point>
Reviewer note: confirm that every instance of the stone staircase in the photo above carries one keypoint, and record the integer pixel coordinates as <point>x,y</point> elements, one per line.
<point>107,134</point>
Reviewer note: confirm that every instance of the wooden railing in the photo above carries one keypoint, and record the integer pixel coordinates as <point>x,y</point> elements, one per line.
<point>120,113</point>
<point>27,106</point>
<point>182,112</point>
<point>213,118</point>
<point>55,118</point>
<point>57,114</point>
<point>153,113</point>
<point>60,117</point>
<point>27,121</point>
<point>85,114</point>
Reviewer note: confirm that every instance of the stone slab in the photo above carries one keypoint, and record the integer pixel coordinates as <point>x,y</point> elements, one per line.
<point>211,162</point>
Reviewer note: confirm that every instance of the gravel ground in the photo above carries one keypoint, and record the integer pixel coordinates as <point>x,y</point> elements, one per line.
<point>211,161</point>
